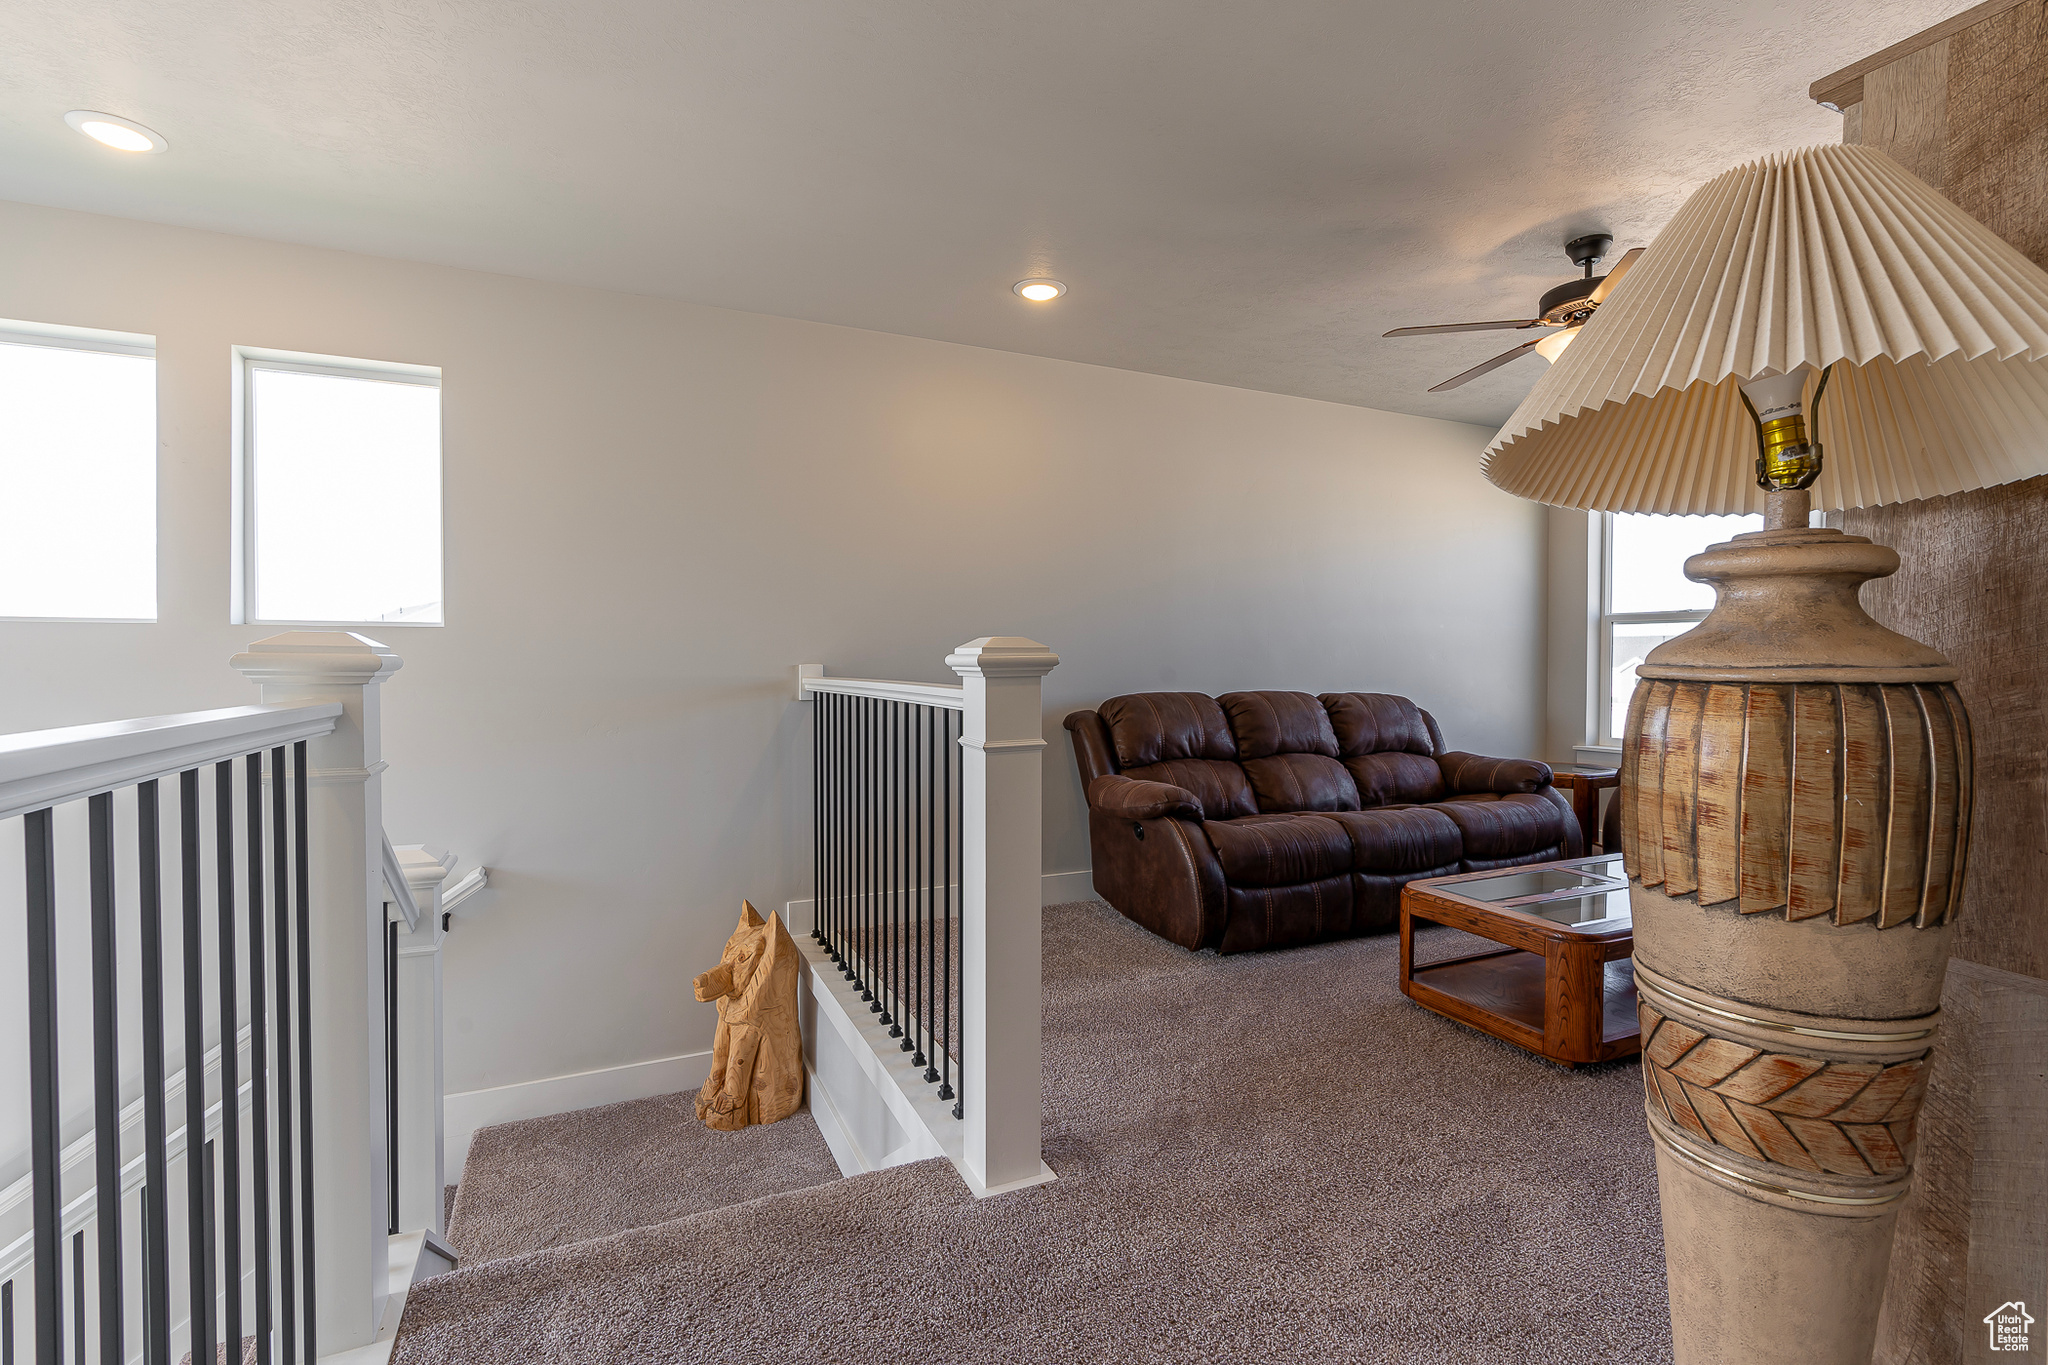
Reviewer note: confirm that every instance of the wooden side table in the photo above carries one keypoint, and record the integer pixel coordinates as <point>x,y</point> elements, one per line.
<point>1561,984</point>
<point>1585,783</point>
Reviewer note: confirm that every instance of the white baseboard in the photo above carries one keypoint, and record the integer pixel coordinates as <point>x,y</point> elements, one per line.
<point>1055,888</point>
<point>465,1112</point>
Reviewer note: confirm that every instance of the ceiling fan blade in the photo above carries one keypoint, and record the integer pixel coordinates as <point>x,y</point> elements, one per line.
<point>1442,327</point>
<point>1613,277</point>
<point>1484,367</point>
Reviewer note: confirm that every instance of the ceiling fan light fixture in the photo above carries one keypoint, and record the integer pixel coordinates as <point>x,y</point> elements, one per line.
<point>1039,290</point>
<point>111,130</point>
<point>1552,346</point>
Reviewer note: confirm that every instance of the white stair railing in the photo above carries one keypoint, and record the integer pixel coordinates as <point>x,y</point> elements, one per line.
<point>242,1191</point>
<point>907,846</point>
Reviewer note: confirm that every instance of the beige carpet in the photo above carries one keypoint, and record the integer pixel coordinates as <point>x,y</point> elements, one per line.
<point>553,1181</point>
<point>1270,1157</point>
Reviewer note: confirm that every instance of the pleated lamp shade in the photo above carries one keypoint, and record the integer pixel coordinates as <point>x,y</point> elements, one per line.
<point>1809,257</point>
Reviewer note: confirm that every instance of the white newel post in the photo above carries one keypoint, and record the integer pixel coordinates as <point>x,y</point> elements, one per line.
<point>1002,737</point>
<point>345,958</point>
<point>422,1166</point>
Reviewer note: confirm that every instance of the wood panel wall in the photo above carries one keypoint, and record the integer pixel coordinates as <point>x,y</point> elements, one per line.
<point>1965,106</point>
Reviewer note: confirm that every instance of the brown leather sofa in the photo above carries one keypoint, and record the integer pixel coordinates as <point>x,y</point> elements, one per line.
<point>1267,819</point>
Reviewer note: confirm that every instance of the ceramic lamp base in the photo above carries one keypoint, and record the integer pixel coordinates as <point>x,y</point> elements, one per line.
<point>1796,788</point>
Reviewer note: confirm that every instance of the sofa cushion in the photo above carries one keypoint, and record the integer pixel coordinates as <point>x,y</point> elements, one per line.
<point>1376,897</point>
<point>1157,727</point>
<point>1413,839</point>
<point>1279,850</point>
<point>1375,723</point>
<point>1268,723</point>
<point>1283,916</point>
<point>1474,774</point>
<point>1296,782</point>
<point>1496,827</point>
<point>1387,779</point>
<point>1222,788</point>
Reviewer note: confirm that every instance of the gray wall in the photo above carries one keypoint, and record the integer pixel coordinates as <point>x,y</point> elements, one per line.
<point>654,509</point>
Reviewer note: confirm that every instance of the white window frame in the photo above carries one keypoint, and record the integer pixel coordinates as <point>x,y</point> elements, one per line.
<point>242,574</point>
<point>1603,689</point>
<point>60,337</point>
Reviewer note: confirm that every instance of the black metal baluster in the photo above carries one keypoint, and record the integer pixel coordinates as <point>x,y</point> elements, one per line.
<point>904,881</point>
<point>106,1078</point>
<point>838,840</point>
<point>954,966</point>
<point>281,1030</point>
<point>828,828</point>
<point>849,850</point>
<point>946,988</point>
<point>914,808</point>
<point>817,817</point>
<point>230,1055</point>
<point>391,1069</point>
<point>867,841</point>
<point>929,1061</point>
<point>78,1297</point>
<point>45,1142</point>
<point>899,849</point>
<point>7,1323</point>
<point>301,841</point>
<point>156,1267</point>
<point>211,1278</point>
<point>843,730</point>
<point>892,717</point>
<point>915,721</point>
<point>848,817</point>
<point>197,1211</point>
<point>259,1053</point>
<point>148,1299</point>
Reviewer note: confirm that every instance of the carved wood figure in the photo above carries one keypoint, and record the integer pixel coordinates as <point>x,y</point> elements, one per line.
<point>757,1070</point>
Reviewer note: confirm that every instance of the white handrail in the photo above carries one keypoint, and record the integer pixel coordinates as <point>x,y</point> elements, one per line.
<point>471,882</point>
<point>40,768</point>
<point>951,696</point>
<point>400,887</point>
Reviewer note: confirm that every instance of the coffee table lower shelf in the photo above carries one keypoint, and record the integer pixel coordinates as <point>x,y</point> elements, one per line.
<point>1503,993</point>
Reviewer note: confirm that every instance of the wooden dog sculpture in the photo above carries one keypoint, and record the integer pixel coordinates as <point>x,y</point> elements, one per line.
<point>757,1069</point>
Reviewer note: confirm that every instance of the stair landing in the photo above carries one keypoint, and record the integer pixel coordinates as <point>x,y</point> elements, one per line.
<point>548,1182</point>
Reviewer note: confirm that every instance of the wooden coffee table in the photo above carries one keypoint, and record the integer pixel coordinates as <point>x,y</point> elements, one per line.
<point>1561,985</point>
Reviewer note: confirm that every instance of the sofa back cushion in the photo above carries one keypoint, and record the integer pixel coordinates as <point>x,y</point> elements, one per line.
<point>1388,745</point>
<point>1289,752</point>
<point>1181,738</point>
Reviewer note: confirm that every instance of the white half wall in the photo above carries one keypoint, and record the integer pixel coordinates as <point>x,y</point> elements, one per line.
<point>654,509</point>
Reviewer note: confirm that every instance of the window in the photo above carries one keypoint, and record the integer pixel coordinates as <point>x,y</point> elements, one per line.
<point>1648,599</point>
<point>78,463</point>
<point>340,491</point>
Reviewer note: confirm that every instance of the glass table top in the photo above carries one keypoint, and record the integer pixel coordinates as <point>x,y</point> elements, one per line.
<point>1514,884</point>
<point>1592,891</point>
<point>1581,910</point>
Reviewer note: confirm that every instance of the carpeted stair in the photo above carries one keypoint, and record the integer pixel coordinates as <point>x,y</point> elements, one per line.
<point>573,1177</point>
<point>1271,1157</point>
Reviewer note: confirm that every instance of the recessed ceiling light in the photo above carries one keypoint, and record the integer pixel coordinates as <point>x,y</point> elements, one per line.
<point>123,135</point>
<point>1038,291</point>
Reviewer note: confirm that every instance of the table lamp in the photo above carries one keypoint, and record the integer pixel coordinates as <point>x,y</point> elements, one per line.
<point>1817,329</point>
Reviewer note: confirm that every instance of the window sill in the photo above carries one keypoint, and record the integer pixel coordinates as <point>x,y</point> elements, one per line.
<point>1598,755</point>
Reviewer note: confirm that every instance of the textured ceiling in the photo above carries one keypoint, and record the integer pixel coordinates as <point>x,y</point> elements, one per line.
<point>1243,193</point>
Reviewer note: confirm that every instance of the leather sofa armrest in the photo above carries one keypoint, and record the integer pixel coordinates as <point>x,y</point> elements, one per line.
<point>1131,798</point>
<point>1473,774</point>
<point>1092,751</point>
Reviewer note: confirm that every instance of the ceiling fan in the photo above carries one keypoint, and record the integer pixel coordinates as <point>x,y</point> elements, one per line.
<point>1560,312</point>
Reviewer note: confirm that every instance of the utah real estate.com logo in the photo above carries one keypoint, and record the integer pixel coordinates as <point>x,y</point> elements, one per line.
<point>2008,1324</point>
